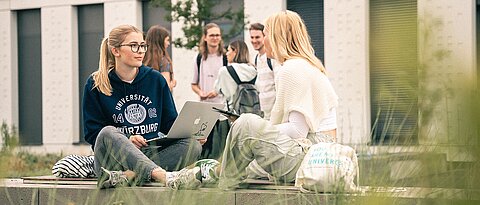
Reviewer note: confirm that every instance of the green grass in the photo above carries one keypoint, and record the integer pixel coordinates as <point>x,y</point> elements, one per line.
<point>20,164</point>
<point>15,163</point>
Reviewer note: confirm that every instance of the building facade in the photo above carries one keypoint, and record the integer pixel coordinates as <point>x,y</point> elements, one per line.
<point>49,47</point>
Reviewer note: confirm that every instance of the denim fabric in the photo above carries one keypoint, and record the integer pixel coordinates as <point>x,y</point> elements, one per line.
<point>114,151</point>
<point>173,155</point>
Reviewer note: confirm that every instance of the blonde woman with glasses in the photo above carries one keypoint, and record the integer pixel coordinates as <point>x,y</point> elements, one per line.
<point>125,104</point>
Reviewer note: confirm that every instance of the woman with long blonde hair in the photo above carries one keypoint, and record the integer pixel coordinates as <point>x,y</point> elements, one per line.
<point>126,103</point>
<point>303,113</point>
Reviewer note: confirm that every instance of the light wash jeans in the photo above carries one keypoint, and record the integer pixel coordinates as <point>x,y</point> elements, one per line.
<point>252,137</point>
<point>114,151</point>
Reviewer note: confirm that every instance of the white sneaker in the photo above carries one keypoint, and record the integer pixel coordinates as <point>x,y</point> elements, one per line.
<point>207,169</point>
<point>186,179</point>
<point>111,179</point>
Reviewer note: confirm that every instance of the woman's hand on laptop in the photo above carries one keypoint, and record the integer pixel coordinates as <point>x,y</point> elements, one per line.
<point>138,141</point>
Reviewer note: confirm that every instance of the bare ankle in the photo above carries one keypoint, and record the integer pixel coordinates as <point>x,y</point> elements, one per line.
<point>158,175</point>
<point>130,174</point>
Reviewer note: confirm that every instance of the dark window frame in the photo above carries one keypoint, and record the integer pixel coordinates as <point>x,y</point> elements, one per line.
<point>90,19</point>
<point>30,76</point>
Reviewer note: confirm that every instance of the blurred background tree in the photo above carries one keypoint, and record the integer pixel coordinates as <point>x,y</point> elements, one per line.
<point>194,14</point>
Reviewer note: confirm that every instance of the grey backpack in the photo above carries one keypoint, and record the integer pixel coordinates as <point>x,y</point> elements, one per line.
<point>246,98</point>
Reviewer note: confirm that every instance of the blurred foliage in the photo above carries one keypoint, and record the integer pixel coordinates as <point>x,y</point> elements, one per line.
<point>9,137</point>
<point>429,57</point>
<point>194,14</point>
<point>14,163</point>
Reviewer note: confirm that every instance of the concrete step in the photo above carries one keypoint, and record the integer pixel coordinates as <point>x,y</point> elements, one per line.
<point>403,169</point>
<point>16,192</point>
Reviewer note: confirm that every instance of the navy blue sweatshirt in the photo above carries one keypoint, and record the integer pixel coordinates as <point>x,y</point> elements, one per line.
<point>143,107</point>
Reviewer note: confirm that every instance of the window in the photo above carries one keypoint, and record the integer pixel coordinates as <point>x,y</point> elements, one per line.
<point>393,71</point>
<point>90,35</point>
<point>311,12</point>
<point>29,77</point>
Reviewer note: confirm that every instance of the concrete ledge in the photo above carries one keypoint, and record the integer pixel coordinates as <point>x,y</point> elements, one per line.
<point>14,191</point>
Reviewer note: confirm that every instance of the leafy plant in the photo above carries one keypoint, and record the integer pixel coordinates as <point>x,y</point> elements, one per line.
<point>9,137</point>
<point>194,14</point>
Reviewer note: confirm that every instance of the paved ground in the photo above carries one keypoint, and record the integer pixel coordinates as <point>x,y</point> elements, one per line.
<point>15,191</point>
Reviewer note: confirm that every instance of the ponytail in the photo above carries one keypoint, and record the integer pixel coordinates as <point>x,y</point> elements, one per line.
<point>107,59</point>
<point>105,64</point>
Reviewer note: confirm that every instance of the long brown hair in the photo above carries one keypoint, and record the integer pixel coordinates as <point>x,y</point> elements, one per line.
<point>157,52</point>
<point>203,44</point>
<point>241,49</point>
<point>107,59</point>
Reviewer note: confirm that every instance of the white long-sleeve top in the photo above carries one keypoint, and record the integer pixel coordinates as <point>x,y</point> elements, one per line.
<point>225,84</point>
<point>304,96</point>
<point>297,126</point>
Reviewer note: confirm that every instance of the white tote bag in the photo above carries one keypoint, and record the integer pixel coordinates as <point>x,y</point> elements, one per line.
<point>328,167</point>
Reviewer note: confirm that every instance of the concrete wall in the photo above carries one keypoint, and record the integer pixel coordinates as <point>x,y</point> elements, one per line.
<point>8,66</point>
<point>346,57</point>
<point>59,75</point>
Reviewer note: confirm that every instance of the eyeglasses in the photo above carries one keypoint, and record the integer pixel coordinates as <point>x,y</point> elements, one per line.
<point>214,35</point>
<point>137,47</point>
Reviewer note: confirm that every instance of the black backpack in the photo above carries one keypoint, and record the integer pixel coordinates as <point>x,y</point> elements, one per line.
<point>246,98</point>
<point>269,62</point>
<point>199,60</point>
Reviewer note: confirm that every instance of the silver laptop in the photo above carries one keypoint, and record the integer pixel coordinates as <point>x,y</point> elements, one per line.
<point>196,119</point>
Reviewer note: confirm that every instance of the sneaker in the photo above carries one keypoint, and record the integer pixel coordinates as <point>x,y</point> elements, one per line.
<point>111,179</point>
<point>207,169</point>
<point>186,179</point>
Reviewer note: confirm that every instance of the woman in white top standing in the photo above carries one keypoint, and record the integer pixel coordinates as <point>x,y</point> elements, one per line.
<point>303,113</point>
<point>238,58</point>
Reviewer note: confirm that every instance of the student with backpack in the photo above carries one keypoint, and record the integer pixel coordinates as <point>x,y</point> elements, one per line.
<point>206,66</point>
<point>211,59</point>
<point>265,68</point>
<point>236,82</point>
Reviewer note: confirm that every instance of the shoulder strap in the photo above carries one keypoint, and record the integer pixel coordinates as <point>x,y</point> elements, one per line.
<point>199,60</point>
<point>269,63</point>
<point>225,60</point>
<point>234,75</point>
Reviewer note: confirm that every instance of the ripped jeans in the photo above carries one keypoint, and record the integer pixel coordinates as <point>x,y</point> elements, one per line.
<point>114,151</point>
